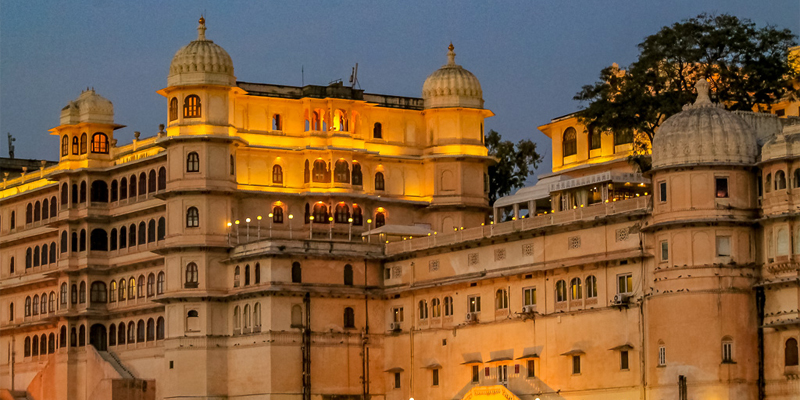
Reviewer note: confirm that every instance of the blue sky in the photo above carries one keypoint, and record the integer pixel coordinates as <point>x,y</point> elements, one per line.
<point>530,56</point>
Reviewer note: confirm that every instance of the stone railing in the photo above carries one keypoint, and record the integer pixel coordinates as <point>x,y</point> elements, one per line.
<point>563,217</point>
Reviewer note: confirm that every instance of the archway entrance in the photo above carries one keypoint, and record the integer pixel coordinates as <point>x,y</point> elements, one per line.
<point>97,337</point>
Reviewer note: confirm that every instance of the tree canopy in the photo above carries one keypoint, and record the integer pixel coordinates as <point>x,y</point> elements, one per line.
<point>516,162</point>
<point>747,67</point>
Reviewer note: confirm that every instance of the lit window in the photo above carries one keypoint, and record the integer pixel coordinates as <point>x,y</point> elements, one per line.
<point>561,291</point>
<point>721,185</point>
<point>529,296</point>
<point>191,107</point>
<point>576,289</point>
<point>173,109</point>
<point>474,304</point>
<point>570,142</point>
<point>100,143</point>
<point>397,314</point>
<point>625,283</point>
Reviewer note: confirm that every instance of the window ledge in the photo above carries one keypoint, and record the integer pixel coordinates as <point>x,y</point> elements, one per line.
<point>728,362</point>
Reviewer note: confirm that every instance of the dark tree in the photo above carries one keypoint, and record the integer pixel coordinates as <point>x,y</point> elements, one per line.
<point>747,67</point>
<point>515,164</point>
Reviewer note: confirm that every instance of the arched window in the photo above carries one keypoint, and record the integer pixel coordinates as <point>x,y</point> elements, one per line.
<point>53,207</point>
<point>114,191</point>
<point>52,303</point>
<point>501,299</point>
<point>123,188</point>
<point>36,256</point>
<point>65,146</point>
<point>100,143</point>
<point>84,143</point>
<point>152,181</point>
<point>132,235</point>
<point>151,231</point>
<point>320,171</point>
<point>306,173</point>
<point>160,283</point>
<point>112,292</point>
<point>422,309</point>
<point>98,294</point>
<point>594,139</point>
<point>570,142</point>
<point>237,272</point>
<point>380,219</point>
<point>796,179</point>
<point>160,328</point>
<point>140,331</point>
<point>35,308</point>
<point>132,186</point>
<point>348,275</point>
<point>257,315</point>
<point>82,292</point>
<point>64,195</point>
<point>315,121</point>
<point>191,275</point>
<point>162,178</point>
<point>43,309</point>
<point>277,214</point>
<point>768,183</point>
<point>591,287</point>
<point>74,294</point>
<point>131,288</point>
<point>349,318</point>
<point>62,337</point>
<point>192,217</point>
<point>727,349</point>
<point>297,272</point>
<point>112,335</point>
<point>377,131</point>
<point>112,240</point>
<point>341,172</point>
<point>191,107</point>
<point>142,235</point>
<point>46,208</point>
<point>151,330</point>
<point>276,122</point>
<point>131,332</point>
<point>448,306</point>
<point>98,240</point>
<point>320,213</point>
<point>123,237</point>
<point>28,306</point>
<point>257,273</point>
<point>380,183</point>
<point>83,192</point>
<point>357,175</point>
<point>173,109</point>
<point>790,358</point>
<point>29,213</point>
<point>99,193</point>
<point>151,285</point>
<point>576,289</point>
<point>342,214</point>
<point>193,162</point>
<point>64,295</point>
<point>246,315</point>
<point>37,211</point>
<point>123,286</point>
<point>44,254</point>
<point>436,308</point>
<point>140,287</point>
<point>75,149</point>
<point>358,217</point>
<point>780,180</point>
<point>142,184</point>
<point>28,258</point>
<point>297,316</point>
<point>35,346</point>
<point>237,318</point>
<point>82,240</point>
<point>277,174</point>
<point>561,291</point>
<point>247,275</point>
<point>73,337</point>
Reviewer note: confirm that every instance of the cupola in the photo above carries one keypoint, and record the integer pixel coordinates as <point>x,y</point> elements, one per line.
<point>452,86</point>
<point>88,107</point>
<point>201,62</point>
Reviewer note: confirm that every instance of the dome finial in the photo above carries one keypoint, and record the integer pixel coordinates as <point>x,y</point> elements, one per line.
<point>451,55</point>
<point>201,29</point>
<point>702,92</point>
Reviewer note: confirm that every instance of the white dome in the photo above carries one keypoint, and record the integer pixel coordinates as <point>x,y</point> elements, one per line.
<point>704,133</point>
<point>201,62</point>
<point>452,86</point>
<point>88,107</point>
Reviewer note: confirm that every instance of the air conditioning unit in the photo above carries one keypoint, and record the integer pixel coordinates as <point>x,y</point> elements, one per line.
<point>621,298</point>
<point>395,326</point>
<point>529,309</point>
<point>471,317</point>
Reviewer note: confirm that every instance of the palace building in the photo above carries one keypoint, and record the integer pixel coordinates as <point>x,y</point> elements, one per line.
<point>323,243</point>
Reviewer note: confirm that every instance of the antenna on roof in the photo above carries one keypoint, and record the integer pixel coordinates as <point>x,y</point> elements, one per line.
<point>354,77</point>
<point>11,141</point>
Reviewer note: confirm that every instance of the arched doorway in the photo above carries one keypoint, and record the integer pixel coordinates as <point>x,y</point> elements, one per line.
<point>97,337</point>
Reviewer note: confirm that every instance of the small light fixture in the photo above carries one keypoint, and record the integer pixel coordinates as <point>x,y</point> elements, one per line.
<point>247,220</point>
<point>237,222</point>
<point>259,217</point>
<point>291,216</point>
<point>270,215</point>
<point>311,218</point>
<point>229,224</point>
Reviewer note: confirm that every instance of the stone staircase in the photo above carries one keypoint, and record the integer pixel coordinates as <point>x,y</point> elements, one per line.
<point>112,359</point>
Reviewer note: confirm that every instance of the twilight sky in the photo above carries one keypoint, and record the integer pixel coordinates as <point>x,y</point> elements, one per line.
<point>530,56</point>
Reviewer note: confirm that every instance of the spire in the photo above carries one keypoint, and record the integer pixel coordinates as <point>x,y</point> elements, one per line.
<point>201,29</point>
<point>702,93</point>
<point>451,55</point>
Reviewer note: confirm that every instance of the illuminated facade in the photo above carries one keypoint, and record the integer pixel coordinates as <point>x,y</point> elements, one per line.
<point>277,242</point>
